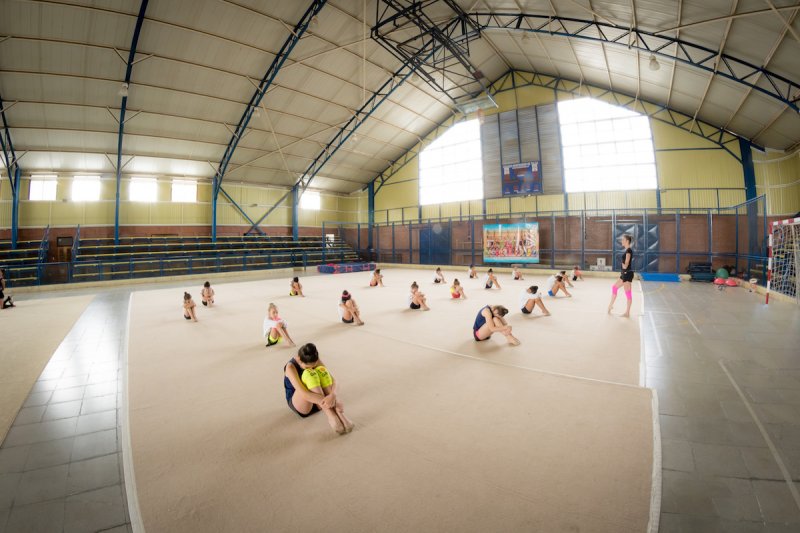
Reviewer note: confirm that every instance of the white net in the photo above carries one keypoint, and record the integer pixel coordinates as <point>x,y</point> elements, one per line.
<point>786,259</point>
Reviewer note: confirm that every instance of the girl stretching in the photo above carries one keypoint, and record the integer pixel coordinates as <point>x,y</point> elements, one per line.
<point>517,275</point>
<point>296,288</point>
<point>310,388</point>
<point>489,321</point>
<point>457,291</point>
<point>348,310</point>
<point>438,276</point>
<point>565,279</point>
<point>530,298</point>
<point>188,307</point>
<point>275,328</point>
<point>473,274</point>
<point>577,274</point>
<point>625,277</point>
<point>207,295</point>
<point>555,284</point>
<point>416,299</point>
<point>490,280</point>
<point>377,278</point>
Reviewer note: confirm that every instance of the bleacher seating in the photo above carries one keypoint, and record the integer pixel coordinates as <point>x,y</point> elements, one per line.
<point>20,265</point>
<point>133,257</point>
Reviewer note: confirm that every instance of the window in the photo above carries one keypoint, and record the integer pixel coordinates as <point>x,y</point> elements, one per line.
<point>451,167</point>
<point>310,200</point>
<point>605,147</point>
<point>184,191</point>
<point>43,188</point>
<point>85,188</point>
<point>143,190</point>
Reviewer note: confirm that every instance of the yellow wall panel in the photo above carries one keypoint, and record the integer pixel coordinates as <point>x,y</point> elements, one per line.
<point>641,199</point>
<point>550,202</point>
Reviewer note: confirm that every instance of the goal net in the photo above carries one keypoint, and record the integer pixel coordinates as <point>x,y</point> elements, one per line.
<point>784,260</point>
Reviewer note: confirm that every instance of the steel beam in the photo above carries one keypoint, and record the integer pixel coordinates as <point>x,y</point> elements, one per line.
<point>123,106</point>
<point>280,58</point>
<point>738,70</point>
<point>237,207</point>
<point>14,173</point>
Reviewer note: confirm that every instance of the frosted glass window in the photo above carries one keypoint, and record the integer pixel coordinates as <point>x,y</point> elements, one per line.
<point>605,147</point>
<point>143,190</point>
<point>451,167</point>
<point>43,188</point>
<point>310,200</point>
<point>184,191</point>
<point>86,188</point>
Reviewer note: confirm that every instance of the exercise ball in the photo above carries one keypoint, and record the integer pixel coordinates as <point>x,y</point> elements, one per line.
<point>730,282</point>
<point>722,273</point>
<point>719,281</point>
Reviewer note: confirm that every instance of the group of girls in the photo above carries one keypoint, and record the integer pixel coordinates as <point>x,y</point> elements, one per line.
<point>207,299</point>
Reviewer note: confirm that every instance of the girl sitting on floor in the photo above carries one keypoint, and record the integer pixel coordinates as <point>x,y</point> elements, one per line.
<point>555,284</point>
<point>530,298</point>
<point>296,288</point>
<point>348,310</point>
<point>490,280</point>
<point>207,295</point>
<point>377,278</point>
<point>438,276</point>
<point>457,291</point>
<point>275,328</point>
<point>416,299</point>
<point>188,307</point>
<point>310,387</point>
<point>489,321</point>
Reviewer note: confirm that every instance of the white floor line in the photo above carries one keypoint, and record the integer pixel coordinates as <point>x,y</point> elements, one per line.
<point>127,450</point>
<point>655,334</point>
<point>642,358</point>
<point>785,471</point>
<point>655,488</point>
<point>499,363</point>
<point>692,323</point>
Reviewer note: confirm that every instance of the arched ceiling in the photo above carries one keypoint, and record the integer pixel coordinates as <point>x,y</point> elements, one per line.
<point>198,63</point>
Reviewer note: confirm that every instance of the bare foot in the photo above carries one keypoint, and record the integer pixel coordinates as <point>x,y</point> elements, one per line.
<point>625,315</point>
<point>513,341</point>
<point>546,314</point>
<point>426,308</point>
<point>609,309</point>
<point>336,424</point>
<point>359,323</point>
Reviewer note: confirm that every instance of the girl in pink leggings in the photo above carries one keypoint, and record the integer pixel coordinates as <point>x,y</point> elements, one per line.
<point>625,277</point>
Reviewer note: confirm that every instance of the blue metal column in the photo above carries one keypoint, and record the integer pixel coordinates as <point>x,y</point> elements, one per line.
<point>15,207</point>
<point>123,106</point>
<point>371,214</point>
<point>295,209</point>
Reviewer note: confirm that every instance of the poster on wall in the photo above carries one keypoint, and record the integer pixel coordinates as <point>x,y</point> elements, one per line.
<point>522,178</point>
<point>511,243</point>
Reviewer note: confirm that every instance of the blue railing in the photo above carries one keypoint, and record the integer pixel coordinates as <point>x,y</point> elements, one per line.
<point>173,266</point>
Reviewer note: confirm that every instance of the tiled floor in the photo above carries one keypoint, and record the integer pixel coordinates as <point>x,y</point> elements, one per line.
<point>714,356</point>
<point>719,473</point>
<point>60,464</point>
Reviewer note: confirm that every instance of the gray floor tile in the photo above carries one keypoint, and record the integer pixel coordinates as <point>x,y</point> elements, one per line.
<point>93,473</point>
<point>716,460</point>
<point>37,398</point>
<point>30,415</point>
<point>98,404</point>
<point>95,445</point>
<point>44,385</point>
<point>97,422</point>
<point>736,411</point>
<point>677,455</point>
<point>45,517</point>
<point>68,395</point>
<point>102,377</point>
<point>118,529</point>
<point>50,453</point>
<point>13,459</point>
<point>761,463</point>
<point>41,485</point>
<point>62,410</point>
<point>101,389</point>
<point>738,507</point>
<point>96,510</point>
<point>73,381</point>
<point>777,504</point>
<point>8,488</point>
<point>3,519</point>
<point>674,427</point>
<point>43,431</point>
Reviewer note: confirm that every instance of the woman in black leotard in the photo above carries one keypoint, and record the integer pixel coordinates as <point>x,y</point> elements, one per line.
<point>625,277</point>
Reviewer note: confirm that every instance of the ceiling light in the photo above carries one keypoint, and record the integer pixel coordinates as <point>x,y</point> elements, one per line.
<point>123,91</point>
<point>654,64</point>
<point>526,37</point>
<point>256,112</point>
<point>314,21</point>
